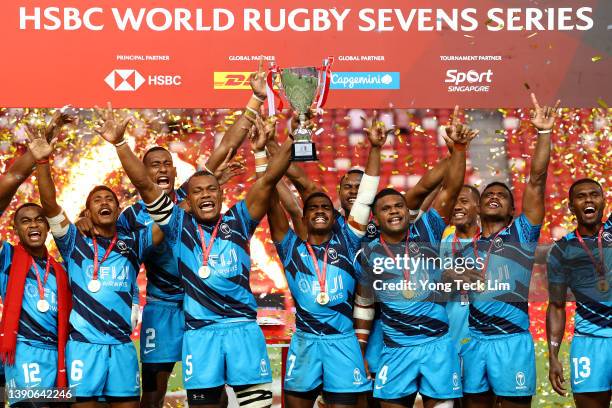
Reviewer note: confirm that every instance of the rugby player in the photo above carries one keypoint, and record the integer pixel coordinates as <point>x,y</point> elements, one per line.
<point>101,358</point>
<point>324,353</point>
<point>33,286</point>
<point>418,355</point>
<point>222,343</point>
<point>499,360</point>
<point>582,261</point>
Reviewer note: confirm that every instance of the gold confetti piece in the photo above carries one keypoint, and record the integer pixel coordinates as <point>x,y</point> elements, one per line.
<point>532,35</point>
<point>596,58</point>
<point>602,103</point>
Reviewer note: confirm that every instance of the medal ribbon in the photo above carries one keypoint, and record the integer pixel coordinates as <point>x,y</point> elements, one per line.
<point>475,246</point>
<point>324,71</point>
<point>272,93</point>
<point>206,249</point>
<point>321,276</point>
<point>599,267</point>
<point>41,285</point>
<point>406,254</point>
<point>454,250</point>
<point>97,262</point>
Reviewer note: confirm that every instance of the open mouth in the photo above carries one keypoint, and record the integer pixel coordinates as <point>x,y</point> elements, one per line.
<point>351,200</point>
<point>35,235</point>
<point>206,205</point>
<point>320,219</point>
<point>105,212</point>
<point>459,215</point>
<point>589,210</point>
<point>395,220</point>
<point>163,182</point>
<point>494,204</point>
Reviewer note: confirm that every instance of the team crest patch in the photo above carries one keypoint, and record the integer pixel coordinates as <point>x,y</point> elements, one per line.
<point>357,376</point>
<point>520,380</point>
<point>225,228</point>
<point>263,367</point>
<point>333,254</point>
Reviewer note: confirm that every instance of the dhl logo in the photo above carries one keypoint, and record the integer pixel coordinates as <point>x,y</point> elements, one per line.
<point>232,80</point>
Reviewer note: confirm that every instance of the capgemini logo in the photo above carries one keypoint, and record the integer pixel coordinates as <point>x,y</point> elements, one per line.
<point>386,79</point>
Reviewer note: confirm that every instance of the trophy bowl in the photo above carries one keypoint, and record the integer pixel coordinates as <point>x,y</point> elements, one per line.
<point>300,86</point>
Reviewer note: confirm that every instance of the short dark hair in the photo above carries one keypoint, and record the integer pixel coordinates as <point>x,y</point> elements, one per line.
<point>22,206</point>
<point>100,188</point>
<point>315,195</point>
<point>499,183</point>
<point>583,181</point>
<point>352,171</point>
<point>383,193</point>
<point>474,191</point>
<point>155,149</point>
<point>200,173</point>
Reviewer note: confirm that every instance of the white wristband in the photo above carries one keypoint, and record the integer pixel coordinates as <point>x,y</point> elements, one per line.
<point>543,132</point>
<point>363,301</point>
<point>362,331</point>
<point>260,155</point>
<point>261,169</point>
<point>262,100</point>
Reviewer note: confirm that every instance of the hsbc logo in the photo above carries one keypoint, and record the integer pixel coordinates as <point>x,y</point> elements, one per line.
<point>129,80</point>
<point>124,80</point>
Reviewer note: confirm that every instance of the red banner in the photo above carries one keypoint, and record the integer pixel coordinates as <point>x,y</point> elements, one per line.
<point>189,53</point>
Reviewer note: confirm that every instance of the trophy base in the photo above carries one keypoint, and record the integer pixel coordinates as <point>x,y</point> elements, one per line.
<point>303,152</point>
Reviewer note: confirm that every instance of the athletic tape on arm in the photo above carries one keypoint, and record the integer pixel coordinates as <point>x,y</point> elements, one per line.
<point>55,225</point>
<point>161,209</point>
<point>360,212</point>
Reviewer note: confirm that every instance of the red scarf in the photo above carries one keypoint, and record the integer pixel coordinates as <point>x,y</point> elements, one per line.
<point>20,266</point>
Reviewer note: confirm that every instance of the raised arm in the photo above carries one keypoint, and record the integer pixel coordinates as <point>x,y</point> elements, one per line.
<point>295,173</point>
<point>23,166</point>
<point>238,131</point>
<point>112,130</point>
<point>291,205</point>
<point>543,119</point>
<point>360,211</point>
<point>40,150</point>
<point>258,197</point>
<point>455,174</point>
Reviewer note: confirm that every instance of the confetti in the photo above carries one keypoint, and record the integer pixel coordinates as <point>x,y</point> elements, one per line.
<point>596,58</point>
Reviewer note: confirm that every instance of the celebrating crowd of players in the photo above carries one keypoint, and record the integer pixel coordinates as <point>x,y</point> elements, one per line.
<point>69,323</point>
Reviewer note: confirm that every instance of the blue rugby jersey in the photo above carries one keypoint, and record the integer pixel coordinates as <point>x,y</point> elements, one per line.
<point>371,232</point>
<point>570,265</point>
<point>336,317</point>
<point>500,311</point>
<point>163,280</point>
<point>417,320</point>
<point>225,296</point>
<point>103,317</point>
<point>36,328</point>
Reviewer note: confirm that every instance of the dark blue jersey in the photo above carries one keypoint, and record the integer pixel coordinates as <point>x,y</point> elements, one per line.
<point>422,317</point>
<point>336,317</point>
<point>225,295</point>
<point>569,265</point>
<point>36,328</point>
<point>103,317</point>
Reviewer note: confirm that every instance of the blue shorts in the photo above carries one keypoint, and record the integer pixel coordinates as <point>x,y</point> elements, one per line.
<point>34,367</point>
<point>161,332</point>
<point>375,346</point>
<point>502,363</point>
<point>332,360</point>
<point>225,353</point>
<point>458,323</point>
<point>591,364</point>
<point>431,368</point>
<point>103,369</point>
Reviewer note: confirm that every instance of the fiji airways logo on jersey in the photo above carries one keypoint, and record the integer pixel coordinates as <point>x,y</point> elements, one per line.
<point>31,291</point>
<point>225,263</point>
<point>334,287</point>
<point>111,276</point>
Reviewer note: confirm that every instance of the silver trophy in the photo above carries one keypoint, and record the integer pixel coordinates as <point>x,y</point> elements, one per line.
<point>301,86</point>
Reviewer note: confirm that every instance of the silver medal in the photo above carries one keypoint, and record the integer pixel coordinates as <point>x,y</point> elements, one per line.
<point>42,305</point>
<point>204,271</point>
<point>94,286</point>
<point>322,298</point>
